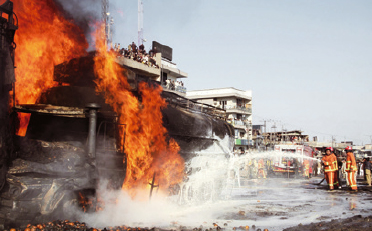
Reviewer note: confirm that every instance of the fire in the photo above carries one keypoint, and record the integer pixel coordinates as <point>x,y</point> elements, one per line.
<point>44,38</point>
<point>84,202</point>
<point>146,145</point>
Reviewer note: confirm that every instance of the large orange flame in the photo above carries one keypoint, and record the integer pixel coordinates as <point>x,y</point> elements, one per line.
<point>146,145</point>
<point>44,38</point>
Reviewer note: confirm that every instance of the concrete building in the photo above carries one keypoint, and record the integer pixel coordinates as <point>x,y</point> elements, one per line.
<point>270,139</point>
<point>170,77</point>
<point>238,106</point>
<point>164,71</point>
<point>257,137</point>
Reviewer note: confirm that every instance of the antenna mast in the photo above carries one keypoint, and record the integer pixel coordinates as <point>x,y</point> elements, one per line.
<point>108,21</point>
<point>140,22</point>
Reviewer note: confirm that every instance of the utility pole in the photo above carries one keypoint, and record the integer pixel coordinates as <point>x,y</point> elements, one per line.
<point>333,140</point>
<point>370,136</point>
<point>284,133</point>
<point>274,133</point>
<point>264,140</point>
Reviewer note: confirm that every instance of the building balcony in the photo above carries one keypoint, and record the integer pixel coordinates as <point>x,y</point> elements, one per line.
<point>176,89</point>
<point>220,93</point>
<point>238,124</point>
<point>139,67</point>
<point>238,109</point>
<point>171,69</point>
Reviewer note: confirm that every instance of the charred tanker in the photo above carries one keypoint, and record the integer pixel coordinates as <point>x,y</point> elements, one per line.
<point>73,141</point>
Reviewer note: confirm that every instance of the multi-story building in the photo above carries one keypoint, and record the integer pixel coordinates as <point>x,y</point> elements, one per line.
<point>157,67</point>
<point>238,106</point>
<point>257,136</point>
<point>270,139</point>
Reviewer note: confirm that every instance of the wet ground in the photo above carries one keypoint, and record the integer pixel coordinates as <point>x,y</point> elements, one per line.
<point>259,204</point>
<point>280,203</point>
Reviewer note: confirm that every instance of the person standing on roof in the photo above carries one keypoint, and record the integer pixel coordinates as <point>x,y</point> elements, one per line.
<point>351,169</point>
<point>329,168</point>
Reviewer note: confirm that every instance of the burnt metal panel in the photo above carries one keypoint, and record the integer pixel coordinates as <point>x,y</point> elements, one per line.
<point>77,72</point>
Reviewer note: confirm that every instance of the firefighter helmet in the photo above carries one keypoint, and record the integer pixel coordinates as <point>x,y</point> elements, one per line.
<point>348,149</point>
<point>330,149</point>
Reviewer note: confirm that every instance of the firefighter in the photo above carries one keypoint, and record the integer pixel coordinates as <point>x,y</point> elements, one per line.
<point>351,169</point>
<point>335,167</point>
<point>329,168</point>
<point>261,170</point>
<point>268,166</point>
<point>306,167</point>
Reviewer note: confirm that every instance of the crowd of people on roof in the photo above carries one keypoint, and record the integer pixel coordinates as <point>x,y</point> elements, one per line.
<point>138,54</point>
<point>173,85</point>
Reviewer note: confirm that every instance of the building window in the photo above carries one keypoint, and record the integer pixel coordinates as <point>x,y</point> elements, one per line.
<point>164,76</point>
<point>239,102</point>
<point>223,104</point>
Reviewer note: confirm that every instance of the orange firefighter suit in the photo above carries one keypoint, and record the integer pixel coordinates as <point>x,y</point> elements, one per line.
<point>336,180</point>
<point>330,164</point>
<point>261,170</point>
<point>306,168</point>
<point>351,168</point>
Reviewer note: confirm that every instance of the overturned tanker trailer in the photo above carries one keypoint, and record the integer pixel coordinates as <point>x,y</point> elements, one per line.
<point>73,141</point>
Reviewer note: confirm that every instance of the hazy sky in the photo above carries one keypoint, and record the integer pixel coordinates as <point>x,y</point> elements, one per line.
<point>308,63</point>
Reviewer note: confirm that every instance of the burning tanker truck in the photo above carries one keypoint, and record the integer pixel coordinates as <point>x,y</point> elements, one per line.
<point>74,140</point>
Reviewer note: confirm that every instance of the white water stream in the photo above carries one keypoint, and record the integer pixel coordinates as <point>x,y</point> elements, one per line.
<point>215,193</point>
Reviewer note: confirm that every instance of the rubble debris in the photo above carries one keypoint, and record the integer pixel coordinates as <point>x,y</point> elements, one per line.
<point>355,223</point>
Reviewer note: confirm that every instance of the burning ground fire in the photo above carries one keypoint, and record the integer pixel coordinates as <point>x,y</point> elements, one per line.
<point>46,38</point>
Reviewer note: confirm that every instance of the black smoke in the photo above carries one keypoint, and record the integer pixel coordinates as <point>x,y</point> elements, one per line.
<point>84,13</point>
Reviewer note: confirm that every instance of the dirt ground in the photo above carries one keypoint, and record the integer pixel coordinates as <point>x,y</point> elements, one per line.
<point>355,223</point>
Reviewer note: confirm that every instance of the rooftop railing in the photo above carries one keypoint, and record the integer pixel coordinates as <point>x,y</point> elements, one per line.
<point>178,88</point>
<point>197,107</point>
<point>238,122</point>
<point>231,107</point>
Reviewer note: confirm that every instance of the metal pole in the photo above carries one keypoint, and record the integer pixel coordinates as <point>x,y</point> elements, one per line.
<point>92,114</point>
<point>153,185</point>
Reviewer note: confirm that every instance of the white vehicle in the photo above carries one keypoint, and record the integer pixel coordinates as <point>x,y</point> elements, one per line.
<point>292,158</point>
